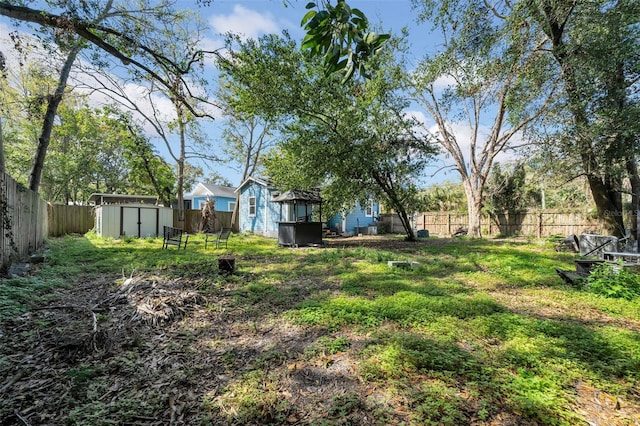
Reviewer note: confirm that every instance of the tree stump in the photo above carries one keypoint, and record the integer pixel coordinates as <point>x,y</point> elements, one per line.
<point>226,264</point>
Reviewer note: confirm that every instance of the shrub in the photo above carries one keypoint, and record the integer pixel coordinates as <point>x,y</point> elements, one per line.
<point>614,281</point>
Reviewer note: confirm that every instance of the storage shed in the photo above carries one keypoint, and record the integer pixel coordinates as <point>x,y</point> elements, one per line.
<point>117,217</point>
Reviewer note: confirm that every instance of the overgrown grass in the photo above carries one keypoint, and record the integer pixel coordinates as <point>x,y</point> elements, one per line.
<point>479,328</point>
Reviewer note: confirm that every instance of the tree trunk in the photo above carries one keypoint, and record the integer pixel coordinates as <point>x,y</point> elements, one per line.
<point>236,209</point>
<point>2,165</point>
<point>395,202</point>
<point>608,204</point>
<point>474,207</point>
<point>634,177</point>
<point>406,224</point>
<point>606,195</point>
<point>180,189</point>
<point>50,115</point>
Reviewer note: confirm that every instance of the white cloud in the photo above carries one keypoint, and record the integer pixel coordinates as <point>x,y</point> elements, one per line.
<point>444,82</point>
<point>245,22</point>
<point>208,44</point>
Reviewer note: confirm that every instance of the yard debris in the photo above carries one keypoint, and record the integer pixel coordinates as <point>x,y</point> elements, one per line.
<point>19,270</point>
<point>158,302</point>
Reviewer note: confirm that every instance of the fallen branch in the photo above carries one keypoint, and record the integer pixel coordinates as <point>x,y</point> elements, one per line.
<point>11,382</point>
<point>17,414</point>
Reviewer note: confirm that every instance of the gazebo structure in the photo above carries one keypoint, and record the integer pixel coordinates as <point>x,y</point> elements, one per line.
<point>298,227</point>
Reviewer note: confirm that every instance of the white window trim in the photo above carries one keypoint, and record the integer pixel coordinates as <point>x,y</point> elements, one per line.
<point>254,206</point>
<point>231,205</point>
<point>368,211</point>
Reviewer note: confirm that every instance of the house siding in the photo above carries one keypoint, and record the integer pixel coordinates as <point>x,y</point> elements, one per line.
<point>354,218</point>
<point>265,221</point>
<point>221,204</point>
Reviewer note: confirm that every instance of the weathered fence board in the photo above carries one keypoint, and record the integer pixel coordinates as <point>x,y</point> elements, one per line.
<point>65,219</point>
<point>537,223</point>
<point>191,223</point>
<point>23,220</point>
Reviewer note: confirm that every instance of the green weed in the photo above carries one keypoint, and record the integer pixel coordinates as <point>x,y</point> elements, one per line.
<point>252,399</point>
<point>614,281</point>
<point>480,328</point>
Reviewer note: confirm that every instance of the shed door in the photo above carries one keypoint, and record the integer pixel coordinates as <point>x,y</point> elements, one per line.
<point>139,221</point>
<point>130,221</point>
<point>149,225</point>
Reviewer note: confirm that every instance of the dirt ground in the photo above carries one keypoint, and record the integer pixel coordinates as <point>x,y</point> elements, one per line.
<point>160,351</point>
<point>156,351</point>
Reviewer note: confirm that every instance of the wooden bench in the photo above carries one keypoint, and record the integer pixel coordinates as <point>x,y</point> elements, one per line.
<point>220,238</point>
<point>174,236</point>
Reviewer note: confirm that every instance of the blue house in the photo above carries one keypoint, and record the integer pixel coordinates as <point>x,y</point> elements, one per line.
<point>224,197</point>
<point>358,220</point>
<point>258,213</point>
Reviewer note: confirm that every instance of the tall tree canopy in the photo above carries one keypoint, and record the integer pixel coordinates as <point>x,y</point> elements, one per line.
<point>352,138</point>
<point>481,91</point>
<point>596,130</point>
<point>132,32</point>
<point>591,48</point>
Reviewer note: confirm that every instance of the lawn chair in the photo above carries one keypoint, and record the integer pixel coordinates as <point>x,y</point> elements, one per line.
<point>174,236</point>
<point>220,238</point>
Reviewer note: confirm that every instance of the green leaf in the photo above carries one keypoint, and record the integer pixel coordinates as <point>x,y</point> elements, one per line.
<point>310,14</point>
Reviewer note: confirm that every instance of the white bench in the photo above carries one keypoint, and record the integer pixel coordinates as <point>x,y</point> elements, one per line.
<point>619,255</point>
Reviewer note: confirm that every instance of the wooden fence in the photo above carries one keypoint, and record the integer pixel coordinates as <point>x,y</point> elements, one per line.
<point>192,221</point>
<point>81,219</point>
<point>530,223</point>
<point>65,219</point>
<point>23,219</point>
<point>538,223</point>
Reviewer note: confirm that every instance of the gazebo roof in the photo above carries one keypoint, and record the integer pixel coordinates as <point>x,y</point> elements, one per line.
<point>296,195</point>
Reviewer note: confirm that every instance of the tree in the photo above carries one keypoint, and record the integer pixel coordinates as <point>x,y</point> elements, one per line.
<point>216,178</point>
<point>99,150</point>
<point>338,34</point>
<point>246,135</point>
<point>2,86</point>
<point>91,149</point>
<point>491,89</point>
<point>594,46</point>
<point>178,128</point>
<point>446,196</point>
<point>593,130</point>
<point>126,34</point>
<point>350,137</point>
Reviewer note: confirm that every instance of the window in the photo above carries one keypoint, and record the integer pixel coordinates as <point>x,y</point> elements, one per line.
<point>369,210</point>
<point>252,206</point>
<point>231,206</point>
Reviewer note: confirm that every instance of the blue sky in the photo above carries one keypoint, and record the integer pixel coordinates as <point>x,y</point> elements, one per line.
<point>253,18</point>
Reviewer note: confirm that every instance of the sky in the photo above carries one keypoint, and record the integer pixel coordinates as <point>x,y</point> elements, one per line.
<point>253,18</point>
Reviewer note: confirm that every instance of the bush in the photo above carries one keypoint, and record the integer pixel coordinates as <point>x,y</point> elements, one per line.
<point>614,281</point>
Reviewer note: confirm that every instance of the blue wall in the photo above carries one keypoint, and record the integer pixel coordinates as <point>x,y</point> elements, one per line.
<point>356,217</point>
<point>221,204</point>
<point>265,221</point>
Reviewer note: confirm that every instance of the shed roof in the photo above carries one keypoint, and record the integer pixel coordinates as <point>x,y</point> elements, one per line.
<point>100,198</point>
